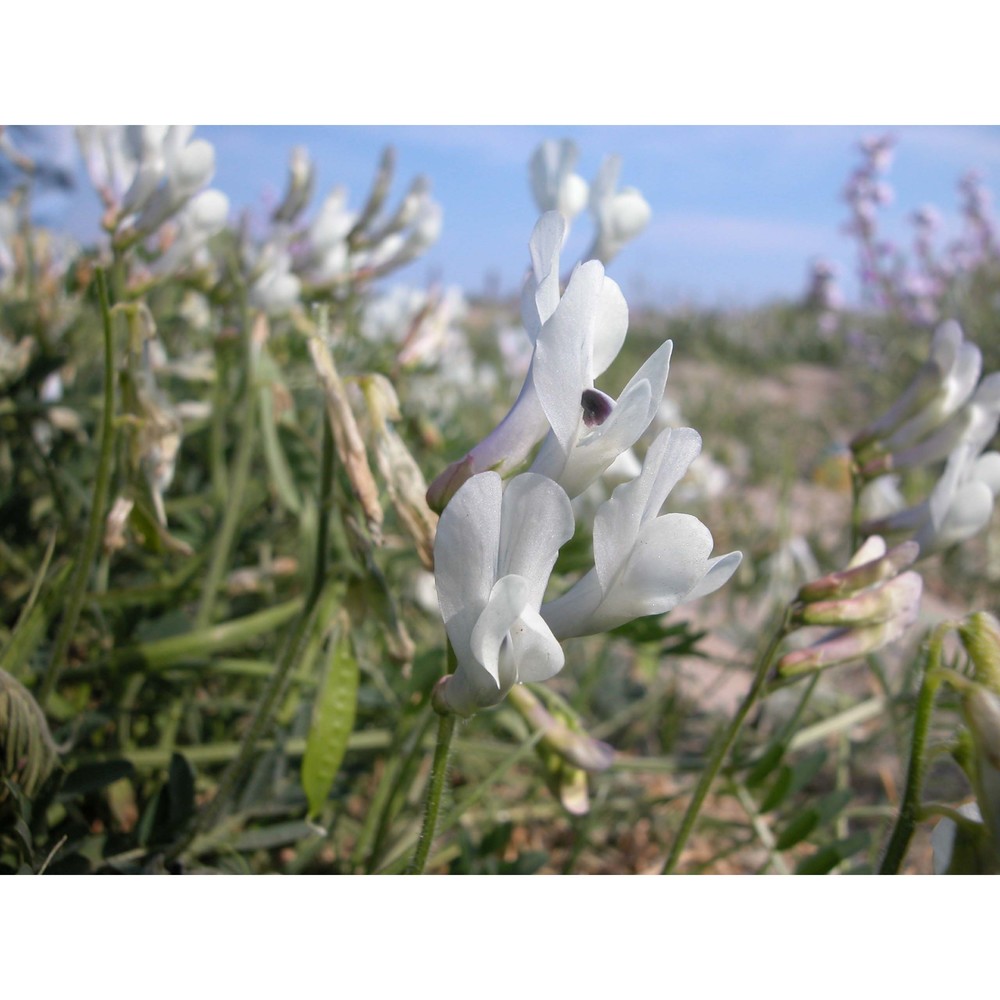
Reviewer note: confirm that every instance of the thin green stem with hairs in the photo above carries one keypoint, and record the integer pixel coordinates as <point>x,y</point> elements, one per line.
<point>910,809</point>
<point>435,789</point>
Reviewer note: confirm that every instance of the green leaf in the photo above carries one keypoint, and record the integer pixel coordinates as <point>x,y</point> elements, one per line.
<point>798,829</point>
<point>807,769</point>
<point>793,779</point>
<point>828,857</point>
<point>266,838</point>
<point>180,783</point>
<point>767,763</point>
<point>830,806</point>
<point>332,722</point>
<point>778,790</point>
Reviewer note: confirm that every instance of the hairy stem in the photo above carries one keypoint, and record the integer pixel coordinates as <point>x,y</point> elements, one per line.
<point>909,811</point>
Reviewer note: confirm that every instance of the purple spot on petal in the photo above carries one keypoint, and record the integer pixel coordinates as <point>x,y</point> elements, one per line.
<point>596,407</point>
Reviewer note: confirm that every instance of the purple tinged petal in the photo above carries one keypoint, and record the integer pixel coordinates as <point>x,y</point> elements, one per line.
<point>597,407</point>
<point>870,566</point>
<point>876,604</point>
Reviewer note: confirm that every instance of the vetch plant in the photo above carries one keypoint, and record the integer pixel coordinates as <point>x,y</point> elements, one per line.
<point>230,620</point>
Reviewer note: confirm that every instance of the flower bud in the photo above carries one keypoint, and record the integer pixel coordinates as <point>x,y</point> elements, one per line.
<point>981,708</point>
<point>843,646</point>
<point>448,483</point>
<point>877,568</point>
<point>873,602</point>
<point>562,733</point>
<point>301,175</point>
<point>980,635</point>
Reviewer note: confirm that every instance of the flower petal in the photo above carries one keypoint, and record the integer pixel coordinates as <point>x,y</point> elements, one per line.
<point>505,605</point>
<point>595,449</point>
<point>540,295</point>
<point>535,650</point>
<point>667,562</point>
<point>617,523</point>
<point>466,546</point>
<point>536,521</point>
<point>563,352</point>
<point>720,569</point>
<point>571,614</point>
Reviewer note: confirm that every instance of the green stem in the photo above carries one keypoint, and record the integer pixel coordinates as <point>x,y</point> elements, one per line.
<point>401,763</point>
<point>291,654</point>
<point>325,509</point>
<point>240,475</point>
<point>85,559</point>
<point>909,812</point>
<point>722,746</point>
<point>435,790</point>
<point>318,606</point>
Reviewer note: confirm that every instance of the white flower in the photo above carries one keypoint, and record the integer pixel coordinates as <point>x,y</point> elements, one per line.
<point>940,388</point>
<point>200,220</point>
<point>943,415</point>
<point>493,555</point>
<point>576,338</point>
<point>620,215</point>
<point>604,429</point>
<point>644,563</point>
<point>184,168</point>
<point>145,174</point>
<point>274,288</point>
<point>554,185</point>
<point>961,503</point>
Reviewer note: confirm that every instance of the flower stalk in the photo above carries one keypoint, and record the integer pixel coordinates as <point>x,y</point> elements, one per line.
<point>95,524</point>
<point>909,811</point>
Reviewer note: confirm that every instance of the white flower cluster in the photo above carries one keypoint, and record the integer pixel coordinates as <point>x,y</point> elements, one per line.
<point>339,247</point>
<point>148,176</point>
<point>946,415</point>
<point>497,542</point>
<point>619,215</point>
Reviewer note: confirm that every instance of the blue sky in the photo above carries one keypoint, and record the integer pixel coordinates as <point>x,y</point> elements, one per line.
<point>738,212</point>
